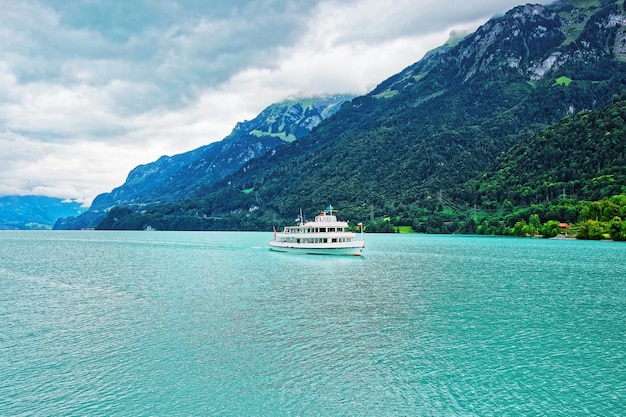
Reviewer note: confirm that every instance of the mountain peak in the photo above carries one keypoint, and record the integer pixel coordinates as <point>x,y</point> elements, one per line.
<point>512,43</point>
<point>422,132</point>
<point>174,177</point>
<point>528,42</point>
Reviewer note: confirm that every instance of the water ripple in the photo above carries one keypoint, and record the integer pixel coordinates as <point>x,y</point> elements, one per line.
<point>216,324</point>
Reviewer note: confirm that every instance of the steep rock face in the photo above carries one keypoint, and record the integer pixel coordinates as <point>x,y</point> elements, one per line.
<point>529,42</point>
<point>511,44</point>
<point>176,177</point>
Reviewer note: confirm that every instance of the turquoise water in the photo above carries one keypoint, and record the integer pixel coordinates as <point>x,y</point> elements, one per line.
<point>181,324</point>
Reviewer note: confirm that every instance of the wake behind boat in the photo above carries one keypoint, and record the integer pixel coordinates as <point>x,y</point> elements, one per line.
<point>323,236</point>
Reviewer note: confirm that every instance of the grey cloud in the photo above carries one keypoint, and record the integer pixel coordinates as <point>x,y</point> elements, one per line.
<point>130,78</point>
<point>410,18</point>
<point>177,47</point>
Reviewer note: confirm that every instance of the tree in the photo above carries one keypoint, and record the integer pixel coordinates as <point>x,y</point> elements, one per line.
<point>617,229</point>
<point>590,230</point>
<point>530,230</point>
<point>520,228</point>
<point>380,226</point>
<point>535,223</point>
<point>115,218</point>
<point>550,229</point>
<point>524,229</point>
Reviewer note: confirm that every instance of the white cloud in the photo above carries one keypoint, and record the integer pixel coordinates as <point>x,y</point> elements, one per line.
<point>91,89</point>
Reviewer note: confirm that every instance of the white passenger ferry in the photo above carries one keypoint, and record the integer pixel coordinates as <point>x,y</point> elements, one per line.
<point>324,236</point>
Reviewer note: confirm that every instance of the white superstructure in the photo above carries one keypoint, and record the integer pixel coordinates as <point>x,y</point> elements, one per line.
<point>325,235</point>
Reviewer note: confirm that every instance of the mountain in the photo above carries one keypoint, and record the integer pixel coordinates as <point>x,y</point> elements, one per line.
<point>34,212</point>
<point>173,178</point>
<point>412,143</point>
<point>583,156</point>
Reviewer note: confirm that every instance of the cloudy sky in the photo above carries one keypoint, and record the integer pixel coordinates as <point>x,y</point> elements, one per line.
<point>89,89</point>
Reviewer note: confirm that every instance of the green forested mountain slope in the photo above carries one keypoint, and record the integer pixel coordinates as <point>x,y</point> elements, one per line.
<point>553,175</point>
<point>414,141</point>
<point>174,178</point>
<point>582,157</point>
<point>574,172</point>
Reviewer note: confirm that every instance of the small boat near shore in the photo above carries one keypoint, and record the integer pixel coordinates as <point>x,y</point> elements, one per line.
<point>323,236</point>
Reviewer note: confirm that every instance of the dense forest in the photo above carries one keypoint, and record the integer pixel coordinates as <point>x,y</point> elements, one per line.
<point>521,119</point>
<point>573,173</point>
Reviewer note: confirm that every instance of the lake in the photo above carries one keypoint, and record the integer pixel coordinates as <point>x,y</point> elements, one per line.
<point>214,323</point>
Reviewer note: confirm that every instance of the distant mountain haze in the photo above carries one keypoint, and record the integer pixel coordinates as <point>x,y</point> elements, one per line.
<point>34,212</point>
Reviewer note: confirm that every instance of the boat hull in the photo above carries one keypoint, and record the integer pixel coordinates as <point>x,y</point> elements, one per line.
<point>354,248</point>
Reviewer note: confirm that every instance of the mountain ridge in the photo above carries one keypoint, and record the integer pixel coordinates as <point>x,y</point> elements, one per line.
<point>33,212</point>
<point>480,113</point>
<point>176,177</point>
<point>429,129</point>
